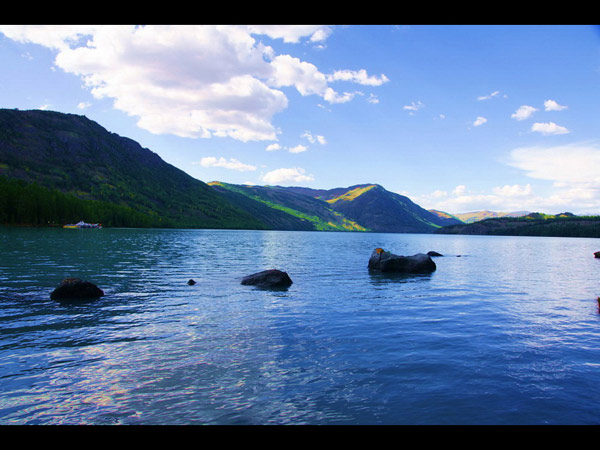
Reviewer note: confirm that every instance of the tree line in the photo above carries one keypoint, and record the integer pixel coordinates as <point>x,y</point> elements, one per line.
<point>30,204</point>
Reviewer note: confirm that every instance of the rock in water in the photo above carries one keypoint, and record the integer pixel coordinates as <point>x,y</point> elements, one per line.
<point>268,278</point>
<point>432,253</point>
<point>597,254</point>
<point>76,289</point>
<point>388,262</point>
<point>191,282</point>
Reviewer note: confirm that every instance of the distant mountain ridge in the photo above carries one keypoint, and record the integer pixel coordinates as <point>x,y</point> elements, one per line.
<point>534,224</point>
<point>476,216</point>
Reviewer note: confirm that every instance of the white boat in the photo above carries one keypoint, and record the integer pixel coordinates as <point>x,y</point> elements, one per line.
<point>82,224</point>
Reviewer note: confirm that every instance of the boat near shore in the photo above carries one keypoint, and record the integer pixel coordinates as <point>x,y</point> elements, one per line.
<point>82,224</point>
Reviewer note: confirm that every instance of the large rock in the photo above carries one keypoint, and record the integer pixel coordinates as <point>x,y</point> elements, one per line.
<point>76,289</point>
<point>384,261</point>
<point>268,278</point>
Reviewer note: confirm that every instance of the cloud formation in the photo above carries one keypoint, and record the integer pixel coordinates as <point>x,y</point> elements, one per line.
<point>524,112</point>
<point>576,165</point>
<point>283,175</point>
<point>316,138</point>
<point>232,164</point>
<point>573,170</point>
<point>548,128</point>
<point>479,121</point>
<point>193,81</point>
<point>487,97</point>
<point>551,105</point>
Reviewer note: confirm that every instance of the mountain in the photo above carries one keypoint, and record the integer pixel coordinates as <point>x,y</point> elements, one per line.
<point>532,224</point>
<point>365,207</point>
<point>70,155</point>
<point>476,216</point>
<point>286,209</point>
<point>375,208</point>
<point>447,218</point>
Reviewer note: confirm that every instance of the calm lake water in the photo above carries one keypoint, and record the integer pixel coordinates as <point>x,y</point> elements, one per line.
<point>507,333</point>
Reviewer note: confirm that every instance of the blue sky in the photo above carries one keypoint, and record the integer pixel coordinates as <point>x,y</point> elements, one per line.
<point>458,118</point>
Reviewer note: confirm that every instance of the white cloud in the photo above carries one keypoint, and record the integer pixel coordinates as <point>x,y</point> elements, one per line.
<point>373,99</point>
<point>524,112</point>
<point>576,165</point>
<point>551,105</point>
<point>502,198</point>
<point>273,147</point>
<point>358,76</point>
<point>297,149</point>
<point>232,164</point>
<point>439,194</point>
<point>548,128</point>
<point>316,138</point>
<point>413,107</point>
<point>277,176</point>
<point>514,190</point>
<point>292,34</point>
<point>574,171</point>
<point>487,97</point>
<point>304,76</point>
<point>83,105</point>
<point>459,190</point>
<point>192,80</point>
<point>479,121</point>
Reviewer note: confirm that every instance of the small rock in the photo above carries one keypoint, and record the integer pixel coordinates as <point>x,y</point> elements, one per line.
<point>432,253</point>
<point>597,254</point>
<point>191,282</point>
<point>384,261</point>
<point>268,278</point>
<point>76,289</point>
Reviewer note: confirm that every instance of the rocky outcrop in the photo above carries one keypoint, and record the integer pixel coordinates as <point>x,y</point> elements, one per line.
<point>76,289</point>
<point>384,261</point>
<point>432,253</point>
<point>268,278</point>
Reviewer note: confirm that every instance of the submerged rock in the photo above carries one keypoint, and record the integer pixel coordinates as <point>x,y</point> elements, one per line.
<point>384,261</point>
<point>432,253</point>
<point>268,278</point>
<point>76,289</point>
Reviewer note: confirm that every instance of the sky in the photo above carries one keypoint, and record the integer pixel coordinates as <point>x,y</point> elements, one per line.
<point>459,118</point>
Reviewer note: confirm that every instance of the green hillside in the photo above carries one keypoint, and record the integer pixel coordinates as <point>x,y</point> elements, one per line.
<point>284,209</point>
<point>75,156</point>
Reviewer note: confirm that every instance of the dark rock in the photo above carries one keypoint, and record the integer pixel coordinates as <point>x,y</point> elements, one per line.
<point>76,289</point>
<point>432,253</point>
<point>191,282</point>
<point>597,254</point>
<point>268,278</point>
<point>388,262</point>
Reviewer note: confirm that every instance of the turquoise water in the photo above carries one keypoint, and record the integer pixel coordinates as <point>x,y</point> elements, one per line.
<point>507,333</point>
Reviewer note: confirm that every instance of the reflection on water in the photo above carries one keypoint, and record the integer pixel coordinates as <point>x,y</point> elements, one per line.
<point>507,333</point>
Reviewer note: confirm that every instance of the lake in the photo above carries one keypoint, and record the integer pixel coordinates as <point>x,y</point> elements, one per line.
<point>505,331</point>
